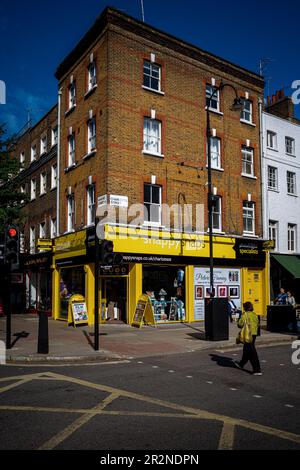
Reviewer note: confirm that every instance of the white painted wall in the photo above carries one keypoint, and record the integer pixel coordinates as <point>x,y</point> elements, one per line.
<point>278,205</point>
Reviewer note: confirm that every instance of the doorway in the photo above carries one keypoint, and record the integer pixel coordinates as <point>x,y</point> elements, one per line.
<point>255,290</point>
<point>114,292</point>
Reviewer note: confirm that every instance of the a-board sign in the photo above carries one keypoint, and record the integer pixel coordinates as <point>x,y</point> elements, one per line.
<point>143,312</point>
<point>79,313</point>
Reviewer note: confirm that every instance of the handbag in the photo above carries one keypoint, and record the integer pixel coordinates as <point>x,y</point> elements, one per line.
<point>245,335</point>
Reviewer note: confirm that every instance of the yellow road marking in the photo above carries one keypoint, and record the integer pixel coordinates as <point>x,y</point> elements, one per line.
<point>227,437</point>
<point>18,380</point>
<point>69,430</point>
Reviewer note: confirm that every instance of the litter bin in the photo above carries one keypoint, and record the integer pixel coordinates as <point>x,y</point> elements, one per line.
<point>281,318</point>
<point>43,334</point>
<point>216,319</point>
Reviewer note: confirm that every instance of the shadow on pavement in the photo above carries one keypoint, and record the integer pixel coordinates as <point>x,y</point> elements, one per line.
<point>224,361</point>
<point>22,334</point>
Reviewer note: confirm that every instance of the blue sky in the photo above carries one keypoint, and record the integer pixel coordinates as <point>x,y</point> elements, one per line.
<point>36,35</point>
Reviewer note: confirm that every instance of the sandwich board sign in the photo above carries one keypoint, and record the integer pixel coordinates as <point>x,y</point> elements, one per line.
<point>143,312</point>
<point>78,313</point>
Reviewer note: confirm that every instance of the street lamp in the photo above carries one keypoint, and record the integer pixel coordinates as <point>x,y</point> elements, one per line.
<point>236,106</point>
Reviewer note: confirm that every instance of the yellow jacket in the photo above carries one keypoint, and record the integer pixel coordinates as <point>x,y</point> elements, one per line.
<point>254,322</point>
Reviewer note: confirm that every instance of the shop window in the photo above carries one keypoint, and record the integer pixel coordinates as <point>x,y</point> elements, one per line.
<point>72,281</point>
<point>165,285</point>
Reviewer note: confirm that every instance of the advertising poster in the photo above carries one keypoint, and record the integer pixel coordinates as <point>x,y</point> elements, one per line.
<point>227,282</point>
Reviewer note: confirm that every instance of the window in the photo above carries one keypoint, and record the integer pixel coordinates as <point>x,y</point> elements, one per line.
<point>272,140</point>
<point>72,95</point>
<point>43,230</point>
<point>291,182</point>
<point>246,113</point>
<point>53,228</point>
<point>272,178</point>
<point>71,212</point>
<point>152,136</point>
<point>92,77</point>
<point>54,136</point>
<point>290,145</point>
<point>23,191</point>
<point>248,217</point>
<point>33,153</point>
<point>292,232</point>
<point>91,135</point>
<point>32,239</point>
<point>273,232</point>
<point>53,176</point>
<point>43,183</point>
<point>90,204</point>
<point>43,146</point>
<point>214,102</point>
<point>247,161</point>
<point>32,189</point>
<point>216,213</point>
<point>71,150</point>
<point>215,152</point>
<point>152,204</point>
<point>22,160</point>
<point>152,76</point>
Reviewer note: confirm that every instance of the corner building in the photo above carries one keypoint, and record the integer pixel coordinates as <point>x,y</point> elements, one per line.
<point>133,130</point>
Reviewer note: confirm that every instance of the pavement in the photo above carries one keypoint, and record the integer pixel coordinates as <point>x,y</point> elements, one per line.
<point>118,341</point>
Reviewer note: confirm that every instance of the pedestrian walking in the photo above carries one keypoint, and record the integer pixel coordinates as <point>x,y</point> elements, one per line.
<point>249,350</point>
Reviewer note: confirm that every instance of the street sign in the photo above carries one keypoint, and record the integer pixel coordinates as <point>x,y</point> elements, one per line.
<point>44,244</point>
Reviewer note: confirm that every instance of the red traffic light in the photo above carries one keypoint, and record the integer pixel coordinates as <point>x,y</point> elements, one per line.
<point>12,232</point>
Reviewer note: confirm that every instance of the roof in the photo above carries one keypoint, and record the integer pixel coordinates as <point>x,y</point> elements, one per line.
<point>289,262</point>
<point>115,17</point>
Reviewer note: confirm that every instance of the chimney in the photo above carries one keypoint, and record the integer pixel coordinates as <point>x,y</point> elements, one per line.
<point>280,105</point>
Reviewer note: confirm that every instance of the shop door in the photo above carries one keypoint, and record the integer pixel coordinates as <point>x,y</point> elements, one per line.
<point>255,290</point>
<point>114,291</point>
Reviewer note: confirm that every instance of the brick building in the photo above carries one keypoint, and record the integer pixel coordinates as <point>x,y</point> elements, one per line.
<point>37,151</point>
<point>133,127</point>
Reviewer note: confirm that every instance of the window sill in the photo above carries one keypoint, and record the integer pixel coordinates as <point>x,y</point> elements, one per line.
<point>292,194</point>
<point>89,155</point>
<point>53,145</point>
<point>32,199</point>
<point>70,110</point>
<point>43,194</point>
<point>252,177</point>
<point>290,155</point>
<point>158,92</point>
<point>243,121</point>
<point>250,235</point>
<point>153,225</point>
<point>216,111</point>
<point>273,190</point>
<point>271,148</point>
<point>216,169</point>
<point>54,187</point>
<point>152,154</point>
<point>69,231</point>
<point>70,168</point>
<point>90,91</point>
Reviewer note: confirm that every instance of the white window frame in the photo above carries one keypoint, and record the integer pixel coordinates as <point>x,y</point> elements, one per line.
<point>151,204</point>
<point>72,95</point>
<point>22,160</point>
<point>32,239</point>
<point>33,189</point>
<point>53,228</point>
<point>291,182</point>
<point>247,152</point>
<point>217,214</point>
<point>43,183</point>
<point>71,213</point>
<point>216,98</point>
<point>292,237</point>
<point>152,143</point>
<point>33,153</point>
<point>272,140</point>
<point>247,114</point>
<point>150,74</point>
<point>54,176</point>
<point>215,156</point>
<point>289,145</point>
<point>249,209</point>
<point>71,150</point>
<point>92,135</point>
<point>273,179</point>
<point>43,144</point>
<point>90,204</point>
<point>273,232</point>
<point>42,230</point>
<point>54,136</point>
<point>92,75</point>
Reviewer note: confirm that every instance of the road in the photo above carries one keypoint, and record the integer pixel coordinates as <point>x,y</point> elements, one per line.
<point>191,401</point>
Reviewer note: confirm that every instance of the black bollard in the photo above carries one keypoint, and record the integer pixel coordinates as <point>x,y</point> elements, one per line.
<point>43,338</point>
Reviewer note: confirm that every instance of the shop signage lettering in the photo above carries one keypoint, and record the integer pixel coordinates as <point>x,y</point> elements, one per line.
<point>114,270</point>
<point>73,242</point>
<point>177,244</point>
<point>249,249</point>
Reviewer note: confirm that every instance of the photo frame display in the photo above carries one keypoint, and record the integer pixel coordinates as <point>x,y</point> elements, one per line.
<point>234,292</point>
<point>222,291</point>
<point>198,292</point>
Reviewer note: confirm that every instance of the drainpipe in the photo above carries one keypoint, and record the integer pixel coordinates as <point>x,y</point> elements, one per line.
<point>58,165</point>
<point>262,171</point>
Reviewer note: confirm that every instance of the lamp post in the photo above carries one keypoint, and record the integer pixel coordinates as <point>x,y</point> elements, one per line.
<point>236,106</point>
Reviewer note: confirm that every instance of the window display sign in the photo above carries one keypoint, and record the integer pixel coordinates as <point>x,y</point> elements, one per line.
<point>143,312</point>
<point>227,282</point>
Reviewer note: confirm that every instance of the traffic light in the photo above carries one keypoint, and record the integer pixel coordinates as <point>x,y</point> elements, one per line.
<point>12,246</point>
<point>2,252</point>
<point>107,256</point>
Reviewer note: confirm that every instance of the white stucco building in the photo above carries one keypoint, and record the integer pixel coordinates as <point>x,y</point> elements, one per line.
<point>281,189</point>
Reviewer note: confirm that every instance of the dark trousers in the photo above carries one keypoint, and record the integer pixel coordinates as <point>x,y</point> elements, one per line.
<point>250,354</point>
